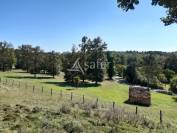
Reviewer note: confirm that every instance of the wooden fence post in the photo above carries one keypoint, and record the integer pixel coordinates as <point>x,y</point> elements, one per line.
<point>51,91</point>
<point>12,82</point>
<point>113,105</point>
<point>6,81</point>
<point>26,86</point>
<point>136,110</point>
<point>33,88</point>
<point>19,84</point>
<point>83,98</point>
<point>161,117</point>
<point>42,89</point>
<point>71,96</point>
<point>61,93</point>
<point>97,102</point>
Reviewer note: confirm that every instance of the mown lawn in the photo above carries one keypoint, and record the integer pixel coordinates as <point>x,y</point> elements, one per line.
<point>107,92</point>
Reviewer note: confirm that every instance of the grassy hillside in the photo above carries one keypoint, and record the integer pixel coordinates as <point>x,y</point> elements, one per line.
<point>106,93</point>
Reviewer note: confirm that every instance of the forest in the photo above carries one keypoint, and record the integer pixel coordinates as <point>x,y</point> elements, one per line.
<point>154,69</point>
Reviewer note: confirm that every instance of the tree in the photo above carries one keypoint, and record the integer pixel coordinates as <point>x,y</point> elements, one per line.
<point>169,74</point>
<point>7,56</point>
<point>170,5</point>
<point>83,51</point>
<point>76,80</point>
<point>53,67</point>
<point>35,61</point>
<point>151,69</point>
<point>68,60</point>
<point>162,78</point>
<point>171,62</point>
<point>24,57</point>
<point>110,68</point>
<point>95,59</point>
<point>120,69</point>
<point>130,73</point>
<point>173,85</point>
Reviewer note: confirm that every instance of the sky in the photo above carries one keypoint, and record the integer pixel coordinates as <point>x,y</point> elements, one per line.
<point>58,24</point>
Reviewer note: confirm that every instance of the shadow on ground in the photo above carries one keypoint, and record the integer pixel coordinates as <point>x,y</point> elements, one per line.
<point>65,84</point>
<point>136,104</point>
<point>28,77</point>
<point>175,99</point>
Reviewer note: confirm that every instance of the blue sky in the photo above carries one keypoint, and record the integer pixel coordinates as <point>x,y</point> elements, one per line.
<point>58,24</point>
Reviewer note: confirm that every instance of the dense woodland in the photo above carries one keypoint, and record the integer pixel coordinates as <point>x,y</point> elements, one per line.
<point>153,69</point>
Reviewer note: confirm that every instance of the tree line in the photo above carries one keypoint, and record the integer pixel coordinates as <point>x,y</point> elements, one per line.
<point>32,59</point>
<point>153,69</point>
<point>90,61</point>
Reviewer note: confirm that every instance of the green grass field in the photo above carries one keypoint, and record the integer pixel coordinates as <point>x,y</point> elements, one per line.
<point>107,92</point>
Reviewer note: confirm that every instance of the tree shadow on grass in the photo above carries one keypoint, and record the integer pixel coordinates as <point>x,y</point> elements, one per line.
<point>136,104</point>
<point>28,77</point>
<point>19,72</point>
<point>175,99</point>
<point>66,84</point>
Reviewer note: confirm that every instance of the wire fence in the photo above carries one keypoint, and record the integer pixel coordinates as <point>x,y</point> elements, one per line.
<point>40,94</point>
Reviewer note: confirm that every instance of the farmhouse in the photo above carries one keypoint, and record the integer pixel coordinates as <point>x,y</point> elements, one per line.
<point>139,95</point>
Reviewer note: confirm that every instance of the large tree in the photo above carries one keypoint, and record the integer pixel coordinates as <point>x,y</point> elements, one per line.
<point>68,61</point>
<point>24,57</point>
<point>83,54</point>
<point>53,63</point>
<point>151,69</point>
<point>96,58</point>
<point>170,5</point>
<point>36,61</point>
<point>7,56</point>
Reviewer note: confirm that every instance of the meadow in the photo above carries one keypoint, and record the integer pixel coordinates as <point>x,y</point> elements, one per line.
<point>30,95</point>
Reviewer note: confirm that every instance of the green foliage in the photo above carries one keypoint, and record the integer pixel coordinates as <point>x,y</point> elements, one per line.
<point>130,73</point>
<point>169,74</point>
<point>53,63</point>
<point>120,69</point>
<point>35,60</point>
<point>84,54</point>
<point>90,56</point>
<point>173,85</point>
<point>151,70</point>
<point>170,5</point>
<point>162,78</point>
<point>76,80</point>
<point>7,56</point>
<point>68,60</point>
<point>171,62</point>
<point>145,71</point>
<point>110,68</point>
<point>96,56</point>
<point>24,56</point>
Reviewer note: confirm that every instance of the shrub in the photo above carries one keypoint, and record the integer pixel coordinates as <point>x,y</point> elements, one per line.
<point>66,109</point>
<point>76,80</point>
<point>73,127</point>
<point>169,74</point>
<point>162,78</point>
<point>173,85</point>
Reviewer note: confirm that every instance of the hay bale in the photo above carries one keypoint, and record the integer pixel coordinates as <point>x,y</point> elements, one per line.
<point>139,95</point>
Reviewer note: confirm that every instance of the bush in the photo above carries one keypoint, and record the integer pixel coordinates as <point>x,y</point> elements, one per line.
<point>76,80</point>
<point>173,85</point>
<point>162,78</point>
<point>169,74</point>
<point>66,109</point>
<point>73,127</point>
